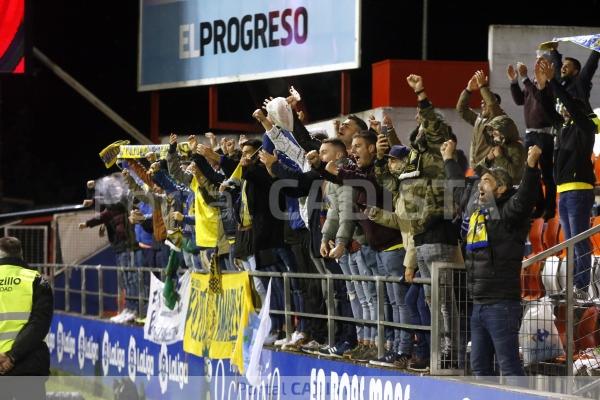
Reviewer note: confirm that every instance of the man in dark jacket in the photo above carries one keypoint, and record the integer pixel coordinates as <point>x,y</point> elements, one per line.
<point>539,131</point>
<point>577,80</point>
<point>26,306</point>
<point>121,236</point>
<point>573,169</point>
<point>495,245</point>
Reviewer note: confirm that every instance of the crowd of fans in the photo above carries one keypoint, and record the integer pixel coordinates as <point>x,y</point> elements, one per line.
<point>373,202</point>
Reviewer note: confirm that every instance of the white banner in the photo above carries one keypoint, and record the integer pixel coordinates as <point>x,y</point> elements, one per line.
<point>163,325</point>
<point>208,42</point>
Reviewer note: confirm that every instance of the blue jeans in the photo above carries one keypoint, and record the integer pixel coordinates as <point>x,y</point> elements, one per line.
<point>366,260</point>
<point>140,262</point>
<point>575,208</point>
<point>495,330</point>
<point>356,295</point>
<point>129,279</point>
<point>288,260</point>
<point>391,263</point>
<point>419,315</point>
<point>427,254</point>
<point>277,294</point>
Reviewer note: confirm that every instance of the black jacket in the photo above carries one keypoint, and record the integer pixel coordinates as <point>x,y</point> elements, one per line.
<point>305,184</point>
<point>120,232</point>
<point>267,229</point>
<point>30,352</point>
<point>493,272</point>
<point>575,140</point>
<point>580,85</point>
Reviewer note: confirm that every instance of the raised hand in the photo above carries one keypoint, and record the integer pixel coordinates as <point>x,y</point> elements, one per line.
<point>241,140</point>
<point>259,115</point>
<point>267,158</point>
<point>415,82</point>
<point>472,84</point>
<point>482,80</point>
<point>511,73</point>
<point>387,122</point>
<point>447,149</point>
<point>207,152</point>
<point>336,125</point>
<point>151,157</point>
<point>172,139</point>
<point>193,142</point>
<point>382,146</point>
<point>522,68</point>
<point>210,136</point>
<point>546,68</point>
<point>375,125</point>
<point>540,78</point>
<point>154,168</point>
<point>229,146</point>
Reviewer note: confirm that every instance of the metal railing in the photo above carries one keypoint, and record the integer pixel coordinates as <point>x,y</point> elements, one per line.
<point>447,293</point>
<point>63,290</point>
<point>569,302</point>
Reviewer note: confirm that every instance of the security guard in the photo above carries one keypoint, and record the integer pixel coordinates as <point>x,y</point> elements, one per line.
<point>26,306</point>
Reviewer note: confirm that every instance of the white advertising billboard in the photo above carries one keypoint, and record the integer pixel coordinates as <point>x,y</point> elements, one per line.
<point>205,42</point>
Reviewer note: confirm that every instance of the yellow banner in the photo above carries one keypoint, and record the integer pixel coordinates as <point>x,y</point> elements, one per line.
<point>140,151</point>
<point>110,153</point>
<point>215,323</point>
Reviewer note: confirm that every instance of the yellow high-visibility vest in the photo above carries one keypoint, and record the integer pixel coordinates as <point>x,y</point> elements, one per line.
<point>16,300</point>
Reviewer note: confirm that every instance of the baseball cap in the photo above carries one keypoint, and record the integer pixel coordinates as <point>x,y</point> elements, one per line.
<point>398,152</point>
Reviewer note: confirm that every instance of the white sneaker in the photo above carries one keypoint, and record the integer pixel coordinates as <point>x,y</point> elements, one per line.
<point>296,337</point>
<point>124,316</point>
<point>117,318</point>
<point>281,342</point>
<point>285,340</point>
<point>129,317</point>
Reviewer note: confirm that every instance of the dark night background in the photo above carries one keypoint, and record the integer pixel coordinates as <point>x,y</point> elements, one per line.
<point>50,136</point>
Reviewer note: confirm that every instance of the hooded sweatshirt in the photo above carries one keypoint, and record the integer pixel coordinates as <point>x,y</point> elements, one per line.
<point>513,154</point>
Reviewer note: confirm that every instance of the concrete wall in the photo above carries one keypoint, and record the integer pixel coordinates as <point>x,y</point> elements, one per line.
<point>508,44</point>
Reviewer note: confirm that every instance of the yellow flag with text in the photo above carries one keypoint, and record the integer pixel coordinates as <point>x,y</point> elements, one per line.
<point>215,322</point>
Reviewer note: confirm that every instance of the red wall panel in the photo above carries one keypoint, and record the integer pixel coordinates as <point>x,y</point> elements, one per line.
<point>444,80</point>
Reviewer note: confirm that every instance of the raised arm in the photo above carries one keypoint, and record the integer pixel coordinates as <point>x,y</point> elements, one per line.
<point>576,111</point>
<point>488,96</point>
<point>521,204</point>
<point>589,69</point>
<point>174,161</point>
<point>462,107</point>
<point>515,90</point>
